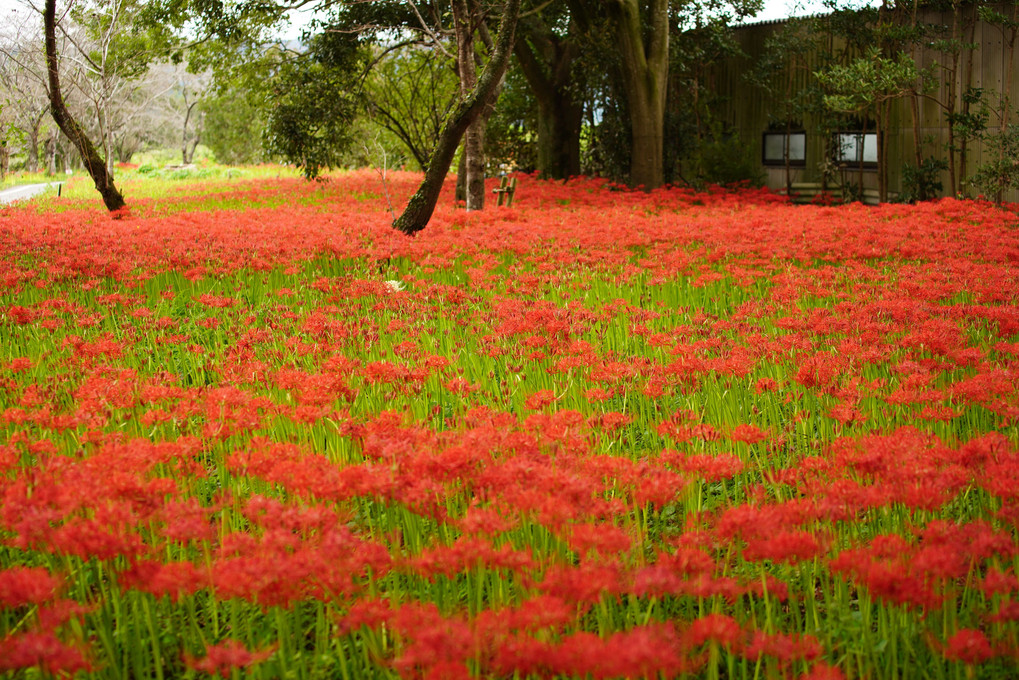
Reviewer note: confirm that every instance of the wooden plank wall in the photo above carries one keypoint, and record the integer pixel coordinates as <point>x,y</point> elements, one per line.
<point>747,110</point>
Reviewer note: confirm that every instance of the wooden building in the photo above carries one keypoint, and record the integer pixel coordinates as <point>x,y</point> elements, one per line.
<point>772,97</point>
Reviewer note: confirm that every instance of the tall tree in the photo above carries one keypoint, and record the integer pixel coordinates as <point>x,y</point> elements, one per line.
<point>643,40</point>
<point>547,58</point>
<point>640,29</point>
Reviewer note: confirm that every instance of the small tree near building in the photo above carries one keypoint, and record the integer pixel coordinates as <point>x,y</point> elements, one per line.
<point>867,86</point>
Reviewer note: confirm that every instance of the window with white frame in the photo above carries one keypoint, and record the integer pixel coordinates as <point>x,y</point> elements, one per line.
<point>854,147</point>
<point>775,146</point>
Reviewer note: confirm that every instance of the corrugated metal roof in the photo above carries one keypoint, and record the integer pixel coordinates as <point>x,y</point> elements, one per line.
<point>773,22</point>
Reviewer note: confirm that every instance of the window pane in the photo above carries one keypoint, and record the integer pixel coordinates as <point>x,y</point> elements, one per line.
<point>849,148</point>
<point>773,150</point>
<point>870,148</point>
<point>798,146</point>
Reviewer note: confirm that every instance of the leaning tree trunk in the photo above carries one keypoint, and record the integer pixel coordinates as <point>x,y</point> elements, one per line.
<point>645,69</point>
<point>422,204</point>
<point>94,163</point>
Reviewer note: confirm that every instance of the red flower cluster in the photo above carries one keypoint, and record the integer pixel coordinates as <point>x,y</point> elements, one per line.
<point>599,434</point>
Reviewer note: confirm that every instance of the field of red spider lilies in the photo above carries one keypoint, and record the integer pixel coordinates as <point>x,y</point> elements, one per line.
<point>248,430</point>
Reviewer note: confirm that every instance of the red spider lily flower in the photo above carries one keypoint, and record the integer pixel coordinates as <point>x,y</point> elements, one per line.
<point>53,615</point>
<point>216,301</point>
<point>1008,611</point>
<point>19,365</point>
<point>658,487</point>
<point>223,658</point>
<point>823,671</point>
<point>484,521</point>
<point>431,639</point>
<point>604,539</point>
<point>172,579</point>
<point>21,316</point>
<point>968,646</point>
<point>784,647</point>
<point>998,582</point>
<point>467,554</point>
<point>889,577</point>
<point>41,650</point>
<point>461,386</point>
<point>788,547</point>
<point>26,585</point>
<point>121,213</point>
<point>613,420</point>
<point>944,413</point>
<point>847,413</point>
<point>716,628</point>
<point>747,434</point>
<point>648,651</point>
<point>711,468</point>
<point>539,400</point>
<point>366,613</point>
<point>583,585</point>
<point>819,371</point>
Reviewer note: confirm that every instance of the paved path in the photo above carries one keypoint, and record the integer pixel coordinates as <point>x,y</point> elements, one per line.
<point>24,191</point>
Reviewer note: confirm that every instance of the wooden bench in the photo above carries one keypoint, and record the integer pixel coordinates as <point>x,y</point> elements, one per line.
<point>806,192</point>
<point>507,188</point>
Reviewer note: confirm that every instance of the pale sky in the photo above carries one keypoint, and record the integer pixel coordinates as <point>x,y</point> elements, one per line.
<point>773,9</point>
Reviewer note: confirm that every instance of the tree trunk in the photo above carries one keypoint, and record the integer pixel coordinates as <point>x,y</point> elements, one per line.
<point>560,117</point>
<point>787,143</point>
<point>460,193</point>
<point>125,151</point>
<point>1004,101</point>
<point>559,138</point>
<point>105,133</point>
<point>474,140</point>
<point>882,179</point>
<point>474,153</point>
<point>860,149</point>
<point>422,204</point>
<point>914,102</point>
<point>51,155</point>
<point>187,148</point>
<point>645,70</point>
<point>188,155</point>
<point>953,89</point>
<point>32,162</point>
<point>65,154</point>
<point>963,176</point>
<point>94,163</point>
